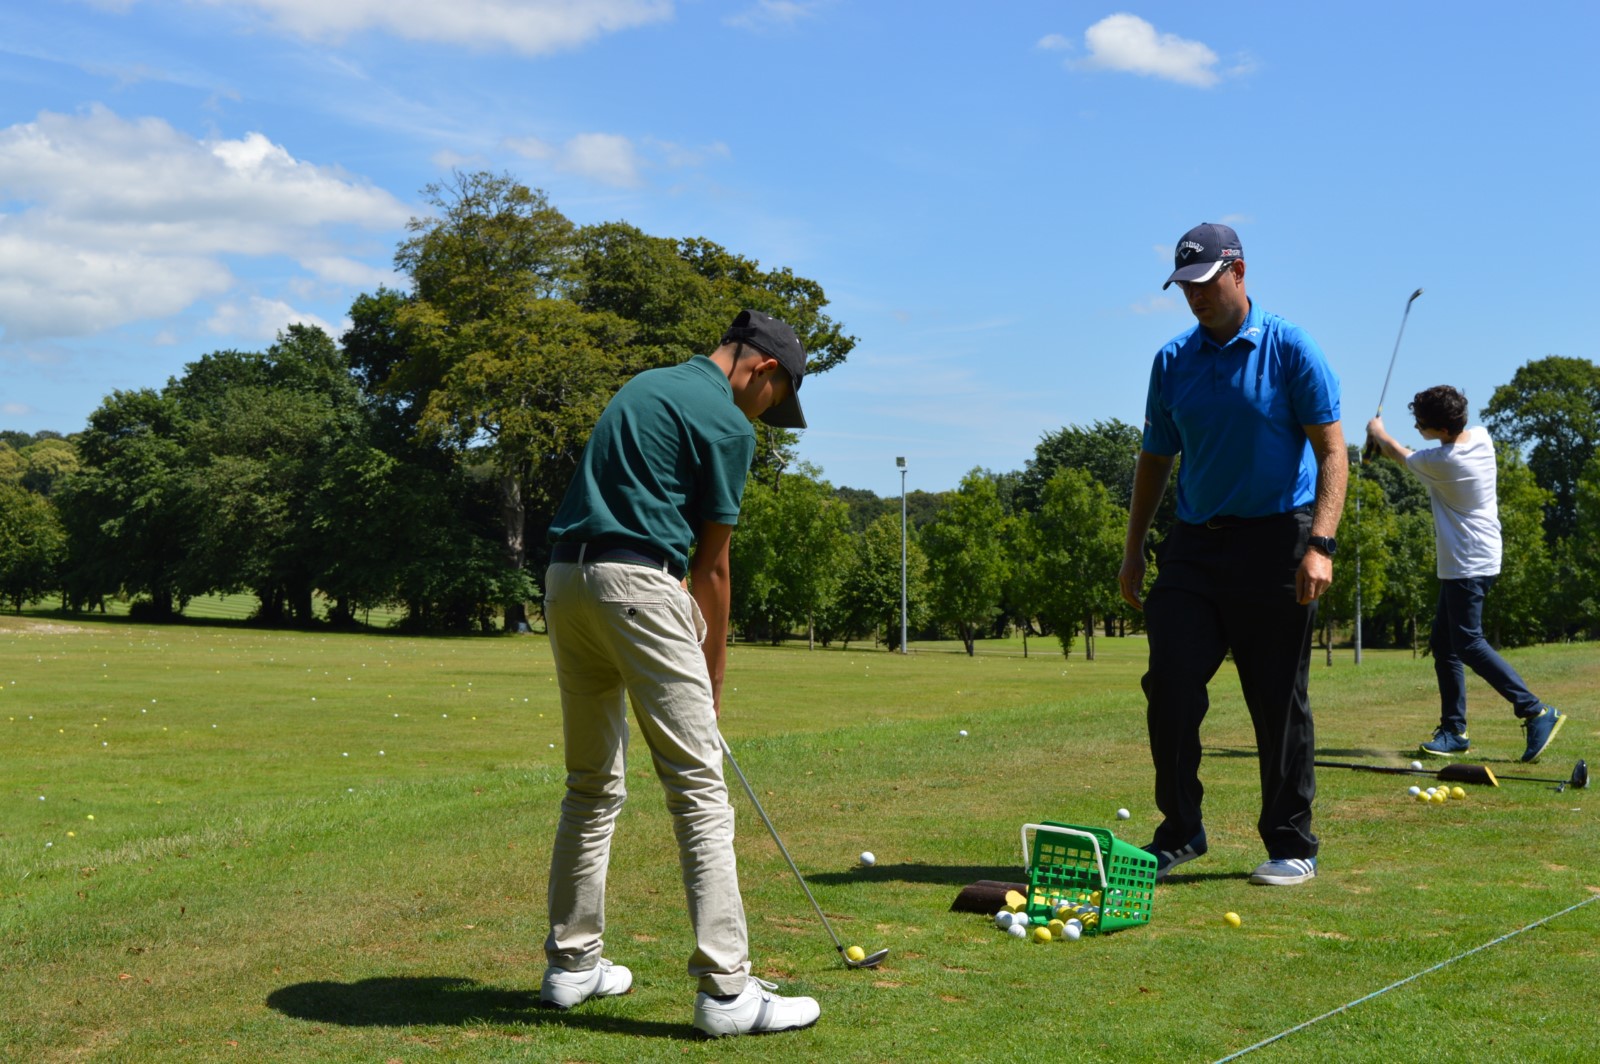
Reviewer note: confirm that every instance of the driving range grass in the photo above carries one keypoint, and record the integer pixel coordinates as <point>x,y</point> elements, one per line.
<point>223,843</point>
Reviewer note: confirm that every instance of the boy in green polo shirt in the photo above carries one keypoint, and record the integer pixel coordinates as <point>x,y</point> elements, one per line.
<point>663,472</point>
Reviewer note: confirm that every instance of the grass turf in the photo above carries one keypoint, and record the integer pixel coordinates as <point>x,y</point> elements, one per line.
<point>222,843</point>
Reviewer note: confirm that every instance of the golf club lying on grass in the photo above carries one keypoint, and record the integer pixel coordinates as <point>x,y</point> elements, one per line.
<point>871,960</point>
<point>1468,773</point>
<point>1370,451</point>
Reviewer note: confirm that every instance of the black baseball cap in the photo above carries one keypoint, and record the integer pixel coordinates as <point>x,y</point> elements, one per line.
<point>1203,251</point>
<point>775,339</point>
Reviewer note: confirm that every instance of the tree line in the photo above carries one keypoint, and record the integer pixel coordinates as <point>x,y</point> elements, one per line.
<point>415,463</point>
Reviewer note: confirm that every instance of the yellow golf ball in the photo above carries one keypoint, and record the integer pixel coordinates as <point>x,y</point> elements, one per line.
<point>1057,928</point>
<point>1457,792</point>
<point>856,953</point>
<point>1438,797</point>
<point>1231,919</point>
<point>1422,796</point>
<point>1041,934</point>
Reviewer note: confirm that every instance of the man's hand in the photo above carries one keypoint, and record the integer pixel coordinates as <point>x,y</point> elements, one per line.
<point>1130,579</point>
<point>1313,576</point>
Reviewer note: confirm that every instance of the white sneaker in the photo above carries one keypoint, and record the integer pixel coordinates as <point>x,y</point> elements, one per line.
<point>563,989</point>
<point>1284,871</point>
<point>756,1010</point>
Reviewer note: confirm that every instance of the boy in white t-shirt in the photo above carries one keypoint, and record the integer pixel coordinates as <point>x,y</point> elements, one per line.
<point>1460,478</point>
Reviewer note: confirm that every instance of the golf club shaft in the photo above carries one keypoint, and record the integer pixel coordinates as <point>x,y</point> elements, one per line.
<point>781,847</point>
<point>1371,449</point>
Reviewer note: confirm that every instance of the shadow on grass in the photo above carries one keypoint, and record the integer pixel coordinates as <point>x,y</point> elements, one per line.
<point>444,1001</point>
<point>950,875</point>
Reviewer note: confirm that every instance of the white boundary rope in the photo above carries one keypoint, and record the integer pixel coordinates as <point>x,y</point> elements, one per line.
<point>1403,982</point>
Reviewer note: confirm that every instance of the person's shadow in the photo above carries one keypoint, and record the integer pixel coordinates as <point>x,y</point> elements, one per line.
<point>406,1001</point>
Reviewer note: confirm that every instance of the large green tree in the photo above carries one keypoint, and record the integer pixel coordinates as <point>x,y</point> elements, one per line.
<point>869,593</point>
<point>968,566</point>
<point>789,551</point>
<point>1079,535</point>
<point>1517,612</point>
<point>31,545</point>
<point>1550,411</point>
<point>1367,532</point>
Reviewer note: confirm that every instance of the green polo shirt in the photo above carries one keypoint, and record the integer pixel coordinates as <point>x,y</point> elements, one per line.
<point>669,453</point>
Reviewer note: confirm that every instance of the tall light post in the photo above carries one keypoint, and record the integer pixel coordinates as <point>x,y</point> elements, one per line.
<point>901,463</point>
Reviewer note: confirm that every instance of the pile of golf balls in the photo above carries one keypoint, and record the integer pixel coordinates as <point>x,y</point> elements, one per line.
<point>1436,795</point>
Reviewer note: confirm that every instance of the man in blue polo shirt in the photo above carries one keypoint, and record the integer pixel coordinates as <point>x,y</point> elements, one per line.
<point>656,496</point>
<point>1249,401</point>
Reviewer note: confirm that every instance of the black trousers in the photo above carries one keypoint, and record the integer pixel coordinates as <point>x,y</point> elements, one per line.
<point>1227,587</point>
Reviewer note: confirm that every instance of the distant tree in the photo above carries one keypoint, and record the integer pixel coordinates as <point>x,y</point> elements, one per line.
<point>1581,553</point>
<point>1412,593</point>
<point>126,510</point>
<point>1106,450</point>
<point>31,546</point>
<point>12,464</point>
<point>869,593</point>
<point>1551,412</point>
<point>791,545</point>
<point>1369,538</point>
<point>1516,613</point>
<point>967,563</point>
<point>1079,530</point>
<point>48,461</point>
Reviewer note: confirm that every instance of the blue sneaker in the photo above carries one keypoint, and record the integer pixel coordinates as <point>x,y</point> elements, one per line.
<point>1541,729</point>
<point>1445,744</point>
<point>1167,860</point>
<point>1284,871</point>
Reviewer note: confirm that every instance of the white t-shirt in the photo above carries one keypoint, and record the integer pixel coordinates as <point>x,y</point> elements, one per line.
<point>1460,478</point>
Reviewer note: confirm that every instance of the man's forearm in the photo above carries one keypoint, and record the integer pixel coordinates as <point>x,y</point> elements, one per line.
<point>1149,484</point>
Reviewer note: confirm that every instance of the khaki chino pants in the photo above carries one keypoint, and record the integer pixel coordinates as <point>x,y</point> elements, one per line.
<point>625,633</point>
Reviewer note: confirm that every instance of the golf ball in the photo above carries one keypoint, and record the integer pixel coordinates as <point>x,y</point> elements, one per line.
<point>1231,919</point>
<point>1123,814</point>
<point>867,859</point>
<point>1416,764</point>
<point>1057,928</point>
<point>1457,792</point>
<point>1414,791</point>
<point>1041,934</point>
<point>1017,931</point>
<point>1072,931</point>
<point>1004,919</point>
<point>1422,796</point>
<point>963,733</point>
<point>856,953</point>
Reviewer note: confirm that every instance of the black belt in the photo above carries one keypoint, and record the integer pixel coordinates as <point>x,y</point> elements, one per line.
<point>588,553</point>
<point>1222,521</point>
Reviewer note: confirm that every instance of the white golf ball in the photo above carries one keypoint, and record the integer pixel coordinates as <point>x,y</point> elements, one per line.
<point>963,733</point>
<point>1416,764</point>
<point>1004,919</point>
<point>1123,814</point>
<point>1017,930</point>
<point>867,859</point>
<point>1414,791</point>
<point>1072,930</point>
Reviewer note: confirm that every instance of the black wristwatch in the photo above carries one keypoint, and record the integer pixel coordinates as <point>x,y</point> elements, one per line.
<point>1326,544</point>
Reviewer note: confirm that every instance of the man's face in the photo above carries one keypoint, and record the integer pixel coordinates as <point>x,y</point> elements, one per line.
<point>1221,301</point>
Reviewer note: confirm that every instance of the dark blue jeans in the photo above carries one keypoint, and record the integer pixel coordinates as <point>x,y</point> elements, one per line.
<point>1458,641</point>
<point>1222,590</point>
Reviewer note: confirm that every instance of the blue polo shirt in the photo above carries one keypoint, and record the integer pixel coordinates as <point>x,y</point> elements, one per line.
<point>1235,412</point>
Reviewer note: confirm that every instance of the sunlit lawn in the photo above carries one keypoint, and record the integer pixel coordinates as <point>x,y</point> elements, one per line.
<point>223,843</point>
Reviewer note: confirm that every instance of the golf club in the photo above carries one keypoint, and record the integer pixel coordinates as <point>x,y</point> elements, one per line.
<point>871,960</point>
<point>1468,773</point>
<point>1371,450</point>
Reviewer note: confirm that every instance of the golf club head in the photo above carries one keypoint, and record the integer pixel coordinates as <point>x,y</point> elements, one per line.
<point>1414,295</point>
<point>871,960</point>
<point>1580,774</point>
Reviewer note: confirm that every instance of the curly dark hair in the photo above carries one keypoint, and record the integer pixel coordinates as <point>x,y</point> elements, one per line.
<point>1441,407</point>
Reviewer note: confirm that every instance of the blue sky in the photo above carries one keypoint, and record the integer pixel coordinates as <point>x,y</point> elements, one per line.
<point>989,194</point>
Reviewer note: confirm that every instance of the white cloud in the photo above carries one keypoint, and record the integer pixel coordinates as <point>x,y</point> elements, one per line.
<point>609,158</point>
<point>532,27</point>
<point>15,409</point>
<point>115,220</point>
<point>1130,44</point>
<point>262,319</point>
<point>765,14</point>
<point>1054,42</point>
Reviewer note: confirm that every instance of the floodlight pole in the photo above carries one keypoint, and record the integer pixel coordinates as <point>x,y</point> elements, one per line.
<point>901,462</point>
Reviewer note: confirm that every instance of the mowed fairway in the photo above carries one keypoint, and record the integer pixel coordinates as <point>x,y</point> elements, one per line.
<point>220,843</point>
